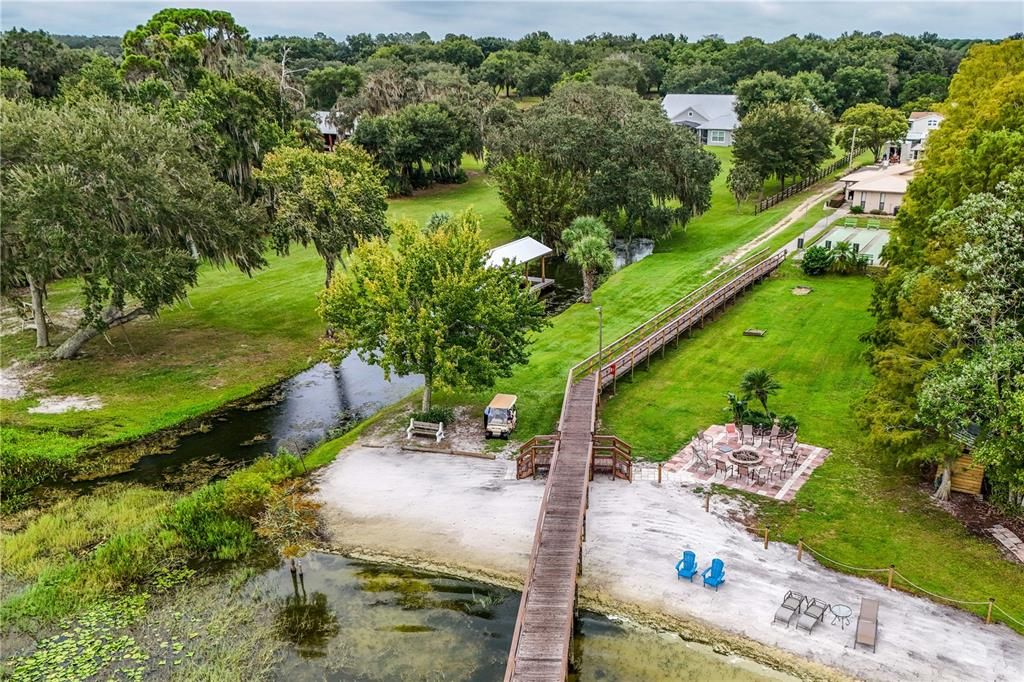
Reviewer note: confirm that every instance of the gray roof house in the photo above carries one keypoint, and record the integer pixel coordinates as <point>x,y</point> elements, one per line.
<point>712,117</point>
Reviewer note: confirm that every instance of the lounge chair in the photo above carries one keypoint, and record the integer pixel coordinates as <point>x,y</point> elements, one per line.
<point>789,608</point>
<point>686,567</point>
<point>748,434</point>
<point>714,575</point>
<point>812,614</point>
<point>701,460</point>
<point>867,623</point>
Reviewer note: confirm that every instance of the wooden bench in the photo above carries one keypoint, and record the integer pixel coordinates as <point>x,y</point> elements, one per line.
<point>433,429</point>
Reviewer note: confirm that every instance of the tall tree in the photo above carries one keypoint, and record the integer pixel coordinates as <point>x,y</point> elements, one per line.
<point>976,148</point>
<point>860,84</point>
<point>872,125</point>
<point>642,175</point>
<point>118,199</point>
<point>765,87</point>
<point>332,201</point>
<point>587,240</point>
<point>43,60</point>
<point>324,86</point>
<point>427,303</point>
<point>500,69</point>
<point>783,139</point>
<point>743,182</point>
<point>541,201</point>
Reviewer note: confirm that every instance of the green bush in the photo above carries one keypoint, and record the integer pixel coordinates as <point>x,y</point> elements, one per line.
<point>856,209</point>
<point>816,261</point>
<point>206,527</point>
<point>758,419</point>
<point>788,423</point>
<point>246,491</point>
<point>437,413</point>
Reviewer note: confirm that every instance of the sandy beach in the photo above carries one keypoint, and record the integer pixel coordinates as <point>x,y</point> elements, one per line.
<point>471,516</point>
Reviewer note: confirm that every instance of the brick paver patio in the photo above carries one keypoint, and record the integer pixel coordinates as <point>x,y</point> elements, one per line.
<point>808,458</point>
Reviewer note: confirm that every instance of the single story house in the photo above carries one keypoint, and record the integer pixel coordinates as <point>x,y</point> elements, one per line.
<point>712,117</point>
<point>878,189</point>
<point>911,148</point>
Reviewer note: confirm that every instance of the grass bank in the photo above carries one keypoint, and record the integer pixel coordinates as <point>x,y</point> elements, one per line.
<point>857,507</point>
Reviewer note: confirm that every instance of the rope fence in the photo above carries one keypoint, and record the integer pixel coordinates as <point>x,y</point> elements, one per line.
<point>764,532</point>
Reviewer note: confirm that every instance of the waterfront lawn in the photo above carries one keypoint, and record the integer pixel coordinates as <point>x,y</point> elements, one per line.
<point>234,336</point>
<point>630,296</point>
<point>857,508</point>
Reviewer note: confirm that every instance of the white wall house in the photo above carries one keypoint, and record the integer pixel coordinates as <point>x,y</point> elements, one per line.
<point>712,117</point>
<point>911,148</point>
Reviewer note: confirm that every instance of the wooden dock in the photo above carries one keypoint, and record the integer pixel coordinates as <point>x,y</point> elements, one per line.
<point>543,630</point>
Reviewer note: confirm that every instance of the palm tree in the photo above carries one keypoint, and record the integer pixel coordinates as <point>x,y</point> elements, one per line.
<point>845,259</point>
<point>759,383</point>
<point>587,239</point>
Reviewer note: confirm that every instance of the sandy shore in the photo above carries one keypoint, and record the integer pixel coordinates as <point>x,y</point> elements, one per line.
<point>471,517</point>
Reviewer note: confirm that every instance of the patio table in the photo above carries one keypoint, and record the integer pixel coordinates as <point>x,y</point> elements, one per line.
<point>841,613</point>
<point>722,447</point>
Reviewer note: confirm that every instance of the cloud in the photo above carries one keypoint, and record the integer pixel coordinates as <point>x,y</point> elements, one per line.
<point>766,19</point>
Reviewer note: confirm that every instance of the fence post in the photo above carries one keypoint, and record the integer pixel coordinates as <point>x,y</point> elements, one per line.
<point>991,601</point>
<point>800,549</point>
<point>707,503</point>
<point>892,569</point>
<point>659,472</point>
<point>766,537</point>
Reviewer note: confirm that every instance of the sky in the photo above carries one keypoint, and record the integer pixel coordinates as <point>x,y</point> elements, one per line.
<point>768,19</point>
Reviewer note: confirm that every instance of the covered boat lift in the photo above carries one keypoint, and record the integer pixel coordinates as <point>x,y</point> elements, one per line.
<point>522,252</point>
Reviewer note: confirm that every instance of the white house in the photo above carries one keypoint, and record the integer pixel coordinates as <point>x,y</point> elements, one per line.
<point>878,190</point>
<point>912,147</point>
<point>712,117</point>
<point>325,123</point>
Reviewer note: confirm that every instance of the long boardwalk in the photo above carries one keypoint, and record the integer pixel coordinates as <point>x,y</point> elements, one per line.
<point>543,630</point>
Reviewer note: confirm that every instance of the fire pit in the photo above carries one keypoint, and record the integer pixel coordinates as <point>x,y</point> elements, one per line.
<point>746,456</point>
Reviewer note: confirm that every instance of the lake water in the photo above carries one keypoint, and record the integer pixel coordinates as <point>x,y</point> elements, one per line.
<point>351,620</point>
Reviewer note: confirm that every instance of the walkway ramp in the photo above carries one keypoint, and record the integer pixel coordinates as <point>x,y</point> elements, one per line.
<point>543,629</point>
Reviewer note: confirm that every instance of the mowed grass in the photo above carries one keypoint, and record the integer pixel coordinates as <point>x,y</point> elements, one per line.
<point>679,264</point>
<point>856,508</point>
<point>234,336</point>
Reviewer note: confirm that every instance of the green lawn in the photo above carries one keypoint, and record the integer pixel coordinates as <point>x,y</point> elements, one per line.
<point>856,508</point>
<point>629,297</point>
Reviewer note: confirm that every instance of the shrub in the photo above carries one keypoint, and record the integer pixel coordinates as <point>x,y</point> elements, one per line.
<point>758,419</point>
<point>816,261</point>
<point>206,527</point>
<point>856,209</point>
<point>246,492</point>
<point>437,413</point>
<point>788,423</point>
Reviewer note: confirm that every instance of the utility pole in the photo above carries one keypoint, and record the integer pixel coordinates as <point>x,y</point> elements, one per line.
<point>853,141</point>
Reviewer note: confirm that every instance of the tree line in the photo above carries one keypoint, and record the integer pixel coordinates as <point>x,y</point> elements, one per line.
<point>947,349</point>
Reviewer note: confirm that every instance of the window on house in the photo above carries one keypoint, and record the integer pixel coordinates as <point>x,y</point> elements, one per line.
<point>718,136</point>
<point>933,123</point>
<point>863,199</point>
<point>690,114</point>
<point>881,201</point>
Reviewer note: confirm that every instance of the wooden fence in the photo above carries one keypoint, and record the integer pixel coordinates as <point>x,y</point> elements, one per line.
<point>803,184</point>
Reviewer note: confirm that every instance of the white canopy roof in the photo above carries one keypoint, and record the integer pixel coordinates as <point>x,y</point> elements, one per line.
<point>522,250</point>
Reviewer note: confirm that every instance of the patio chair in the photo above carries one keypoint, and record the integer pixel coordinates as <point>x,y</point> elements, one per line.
<point>774,435</point>
<point>789,446</point>
<point>867,623</point>
<point>812,614</point>
<point>789,465</point>
<point>730,433</point>
<point>789,608</point>
<point>724,467</point>
<point>714,575</point>
<point>775,471</point>
<point>748,434</point>
<point>849,222</point>
<point>874,224</point>
<point>700,458</point>
<point>703,438</point>
<point>759,475</point>
<point>686,567</point>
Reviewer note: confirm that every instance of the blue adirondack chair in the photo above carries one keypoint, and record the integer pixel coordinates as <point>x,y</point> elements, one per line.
<point>714,575</point>
<point>687,566</point>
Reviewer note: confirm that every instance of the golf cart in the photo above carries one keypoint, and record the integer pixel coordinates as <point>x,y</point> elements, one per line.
<point>500,416</point>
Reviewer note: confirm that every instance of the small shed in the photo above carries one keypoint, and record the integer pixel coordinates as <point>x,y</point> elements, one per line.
<point>523,251</point>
